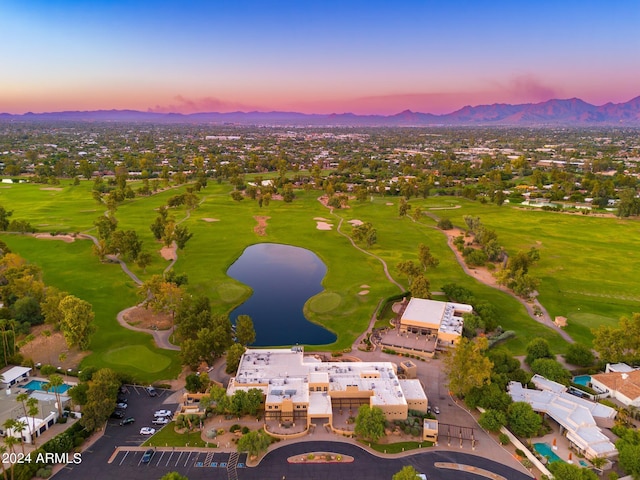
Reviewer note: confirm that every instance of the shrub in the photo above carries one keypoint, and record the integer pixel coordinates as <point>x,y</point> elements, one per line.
<point>234,428</point>
<point>504,439</point>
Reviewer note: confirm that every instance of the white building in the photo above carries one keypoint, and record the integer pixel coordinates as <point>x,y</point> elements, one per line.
<point>576,416</point>
<point>299,388</point>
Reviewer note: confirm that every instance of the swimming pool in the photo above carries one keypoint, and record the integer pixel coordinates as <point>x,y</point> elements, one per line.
<point>582,380</point>
<point>39,385</point>
<point>545,450</point>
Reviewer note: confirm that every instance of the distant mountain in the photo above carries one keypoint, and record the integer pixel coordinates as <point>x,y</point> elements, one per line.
<point>570,112</point>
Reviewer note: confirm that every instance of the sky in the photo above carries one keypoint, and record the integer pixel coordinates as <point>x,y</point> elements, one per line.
<point>326,56</point>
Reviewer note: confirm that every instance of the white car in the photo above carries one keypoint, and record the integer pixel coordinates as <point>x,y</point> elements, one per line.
<point>161,421</point>
<point>163,413</point>
<point>147,431</point>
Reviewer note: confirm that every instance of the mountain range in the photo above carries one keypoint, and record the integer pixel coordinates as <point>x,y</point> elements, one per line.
<point>571,112</point>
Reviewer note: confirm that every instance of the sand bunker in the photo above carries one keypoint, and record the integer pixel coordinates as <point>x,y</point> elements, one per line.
<point>169,253</point>
<point>323,226</point>
<point>320,219</point>
<point>389,203</point>
<point>356,222</point>
<point>364,286</point>
<point>261,228</point>
<point>209,220</point>
<point>52,189</point>
<point>363,292</point>
<point>64,238</point>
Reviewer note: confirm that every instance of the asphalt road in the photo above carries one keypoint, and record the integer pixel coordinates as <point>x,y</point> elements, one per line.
<point>198,465</point>
<point>94,460</point>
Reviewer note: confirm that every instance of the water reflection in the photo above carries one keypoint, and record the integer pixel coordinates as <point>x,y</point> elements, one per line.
<point>283,278</point>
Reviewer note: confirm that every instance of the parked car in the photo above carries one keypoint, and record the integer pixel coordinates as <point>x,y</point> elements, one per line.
<point>151,391</point>
<point>127,421</point>
<point>163,413</point>
<point>117,414</point>
<point>436,410</point>
<point>161,421</point>
<point>121,405</point>
<point>148,455</point>
<point>147,431</point>
<point>122,398</point>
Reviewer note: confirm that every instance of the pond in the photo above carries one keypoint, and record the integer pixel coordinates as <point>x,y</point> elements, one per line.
<point>283,278</point>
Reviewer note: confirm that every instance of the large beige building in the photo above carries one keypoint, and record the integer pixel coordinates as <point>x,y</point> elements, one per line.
<point>299,388</point>
<point>441,321</point>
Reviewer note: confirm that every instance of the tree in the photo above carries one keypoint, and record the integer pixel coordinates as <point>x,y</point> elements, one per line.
<point>234,354</point>
<point>245,333</point>
<point>32,411</point>
<point>467,366</point>
<point>522,420</point>
<point>427,260</point>
<point>420,287</point>
<point>403,207</point>
<point>254,443</point>
<point>628,446</point>
<point>407,473</point>
<point>370,423</point>
<point>364,233</point>
<point>50,306</point>
<point>101,399</point>
<point>173,476</point>
<point>551,369</point>
<point>54,383</point>
<point>4,218</point>
<point>181,236</point>
<point>106,225</point>
<point>579,354</point>
<point>144,260</point>
<point>196,383</point>
<point>409,269</point>
<point>492,420</point>
<point>537,348</point>
<point>77,322</point>
<point>566,471</point>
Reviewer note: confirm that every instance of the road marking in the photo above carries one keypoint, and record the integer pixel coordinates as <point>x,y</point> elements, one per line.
<point>187,460</point>
<point>124,457</point>
<point>178,459</point>
<point>160,459</point>
<point>169,459</point>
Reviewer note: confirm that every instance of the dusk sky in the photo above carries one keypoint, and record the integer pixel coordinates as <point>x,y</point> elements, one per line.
<point>314,56</point>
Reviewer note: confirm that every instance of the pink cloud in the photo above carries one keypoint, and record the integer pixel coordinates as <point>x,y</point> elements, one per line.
<point>529,87</point>
<point>194,105</point>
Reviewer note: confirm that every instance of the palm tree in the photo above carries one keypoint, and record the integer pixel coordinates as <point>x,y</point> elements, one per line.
<point>55,381</point>
<point>32,410</point>
<point>3,450</point>
<point>10,440</point>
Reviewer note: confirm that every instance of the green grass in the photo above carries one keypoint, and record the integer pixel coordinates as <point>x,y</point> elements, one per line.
<point>73,268</point>
<point>397,447</point>
<point>585,269</point>
<point>137,356</point>
<point>168,437</point>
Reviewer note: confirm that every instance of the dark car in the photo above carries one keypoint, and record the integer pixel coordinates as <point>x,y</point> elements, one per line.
<point>128,421</point>
<point>117,414</point>
<point>148,455</point>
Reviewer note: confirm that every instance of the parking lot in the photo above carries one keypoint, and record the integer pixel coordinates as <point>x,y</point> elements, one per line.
<point>173,459</point>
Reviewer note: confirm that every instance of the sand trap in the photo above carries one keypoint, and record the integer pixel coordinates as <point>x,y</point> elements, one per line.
<point>389,203</point>
<point>169,253</point>
<point>363,292</point>
<point>211,220</point>
<point>364,286</point>
<point>261,228</point>
<point>52,189</point>
<point>323,226</point>
<point>356,222</point>
<point>320,219</point>
<point>64,238</point>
